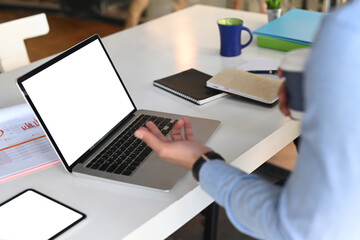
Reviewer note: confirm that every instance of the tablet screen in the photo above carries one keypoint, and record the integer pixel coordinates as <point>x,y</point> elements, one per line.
<point>32,215</point>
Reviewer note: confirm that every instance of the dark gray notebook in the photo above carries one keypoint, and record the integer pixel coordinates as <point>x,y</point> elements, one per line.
<point>190,85</point>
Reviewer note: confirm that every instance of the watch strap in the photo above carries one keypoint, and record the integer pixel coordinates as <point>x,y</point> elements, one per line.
<point>204,158</point>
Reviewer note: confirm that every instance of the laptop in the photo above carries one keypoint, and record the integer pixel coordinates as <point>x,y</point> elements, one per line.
<point>89,118</point>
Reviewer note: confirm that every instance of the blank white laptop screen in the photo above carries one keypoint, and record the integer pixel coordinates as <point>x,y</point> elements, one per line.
<point>34,216</point>
<point>72,119</point>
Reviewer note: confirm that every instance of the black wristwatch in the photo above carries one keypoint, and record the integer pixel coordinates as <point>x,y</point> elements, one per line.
<point>204,158</point>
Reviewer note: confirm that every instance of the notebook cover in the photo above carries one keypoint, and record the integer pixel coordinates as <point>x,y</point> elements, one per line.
<point>190,85</point>
<point>249,85</point>
<point>278,44</point>
<point>297,25</point>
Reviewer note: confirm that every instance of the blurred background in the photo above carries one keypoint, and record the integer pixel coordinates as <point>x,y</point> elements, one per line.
<point>69,19</point>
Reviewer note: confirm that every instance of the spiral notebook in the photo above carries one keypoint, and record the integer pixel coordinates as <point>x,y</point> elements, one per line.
<point>190,85</point>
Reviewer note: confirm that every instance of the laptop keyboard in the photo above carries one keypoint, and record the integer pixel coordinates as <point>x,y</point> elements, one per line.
<point>126,152</point>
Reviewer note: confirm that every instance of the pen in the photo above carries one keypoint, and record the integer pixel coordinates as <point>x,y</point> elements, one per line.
<point>263,71</point>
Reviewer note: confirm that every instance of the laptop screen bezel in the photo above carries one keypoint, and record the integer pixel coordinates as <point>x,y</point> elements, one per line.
<point>51,62</point>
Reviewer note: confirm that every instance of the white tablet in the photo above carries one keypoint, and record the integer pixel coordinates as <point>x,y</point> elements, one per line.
<point>32,215</point>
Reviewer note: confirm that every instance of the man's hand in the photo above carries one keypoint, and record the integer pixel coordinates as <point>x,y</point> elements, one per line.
<point>178,150</point>
<point>283,102</point>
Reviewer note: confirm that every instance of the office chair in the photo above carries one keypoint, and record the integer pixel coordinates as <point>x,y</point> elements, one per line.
<point>13,53</point>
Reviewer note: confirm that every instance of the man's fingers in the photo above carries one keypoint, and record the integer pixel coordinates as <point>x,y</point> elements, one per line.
<point>280,73</point>
<point>178,127</point>
<point>188,129</point>
<point>176,131</point>
<point>155,130</point>
<point>283,104</point>
<point>149,138</point>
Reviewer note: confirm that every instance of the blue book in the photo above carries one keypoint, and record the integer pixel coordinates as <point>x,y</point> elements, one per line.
<point>297,25</point>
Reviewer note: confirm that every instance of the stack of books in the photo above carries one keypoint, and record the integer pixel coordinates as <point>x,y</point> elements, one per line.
<point>295,29</point>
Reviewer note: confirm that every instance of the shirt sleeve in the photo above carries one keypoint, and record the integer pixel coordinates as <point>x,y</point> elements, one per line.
<point>321,197</point>
<point>238,193</point>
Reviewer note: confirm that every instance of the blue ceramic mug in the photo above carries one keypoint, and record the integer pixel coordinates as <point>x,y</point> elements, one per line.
<point>230,36</point>
<point>293,65</point>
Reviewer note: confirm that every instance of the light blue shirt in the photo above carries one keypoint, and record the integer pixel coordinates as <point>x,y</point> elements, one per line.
<point>321,199</point>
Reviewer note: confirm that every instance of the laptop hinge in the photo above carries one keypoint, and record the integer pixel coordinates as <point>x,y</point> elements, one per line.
<point>103,140</point>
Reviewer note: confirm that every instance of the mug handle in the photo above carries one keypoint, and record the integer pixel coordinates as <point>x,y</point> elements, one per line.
<point>251,37</point>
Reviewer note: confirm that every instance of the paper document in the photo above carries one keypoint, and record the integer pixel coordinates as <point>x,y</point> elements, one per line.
<point>259,64</point>
<point>23,144</point>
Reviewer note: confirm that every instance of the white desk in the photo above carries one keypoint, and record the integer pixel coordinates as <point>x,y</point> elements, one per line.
<point>176,42</point>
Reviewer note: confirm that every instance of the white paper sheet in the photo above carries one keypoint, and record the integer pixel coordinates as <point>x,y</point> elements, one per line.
<point>23,144</point>
<point>260,64</point>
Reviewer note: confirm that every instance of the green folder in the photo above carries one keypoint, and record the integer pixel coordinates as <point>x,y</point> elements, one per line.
<point>278,44</point>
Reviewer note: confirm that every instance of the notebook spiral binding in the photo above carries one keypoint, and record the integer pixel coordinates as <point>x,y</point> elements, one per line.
<point>176,92</point>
